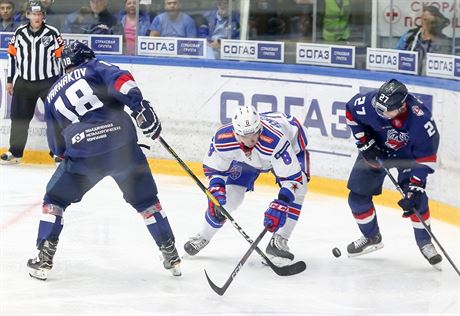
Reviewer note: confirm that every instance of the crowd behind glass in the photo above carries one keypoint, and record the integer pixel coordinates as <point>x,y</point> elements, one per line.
<point>341,22</point>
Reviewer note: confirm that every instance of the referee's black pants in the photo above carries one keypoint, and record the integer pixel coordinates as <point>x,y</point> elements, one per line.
<point>25,96</point>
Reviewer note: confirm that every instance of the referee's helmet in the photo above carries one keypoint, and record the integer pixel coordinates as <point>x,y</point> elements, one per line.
<point>35,6</point>
<point>76,54</point>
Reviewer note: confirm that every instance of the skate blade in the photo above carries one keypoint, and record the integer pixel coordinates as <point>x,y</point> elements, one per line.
<point>367,250</point>
<point>40,274</point>
<point>437,266</point>
<point>175,270</point>
<point>278,261</point>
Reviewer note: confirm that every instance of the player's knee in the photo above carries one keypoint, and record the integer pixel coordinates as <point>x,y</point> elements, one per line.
<point>358,201</point>
<point>51,211</point>
<point>149,214</point>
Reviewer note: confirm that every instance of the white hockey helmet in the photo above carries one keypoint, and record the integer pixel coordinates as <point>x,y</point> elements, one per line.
<point>246,120</point>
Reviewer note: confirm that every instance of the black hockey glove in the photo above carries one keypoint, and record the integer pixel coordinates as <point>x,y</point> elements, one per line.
<point>372,153</point>
<point>148,121</point>
<point>413,195</point>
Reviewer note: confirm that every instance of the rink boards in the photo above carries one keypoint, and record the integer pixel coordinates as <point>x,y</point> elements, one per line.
<point>193,97</point>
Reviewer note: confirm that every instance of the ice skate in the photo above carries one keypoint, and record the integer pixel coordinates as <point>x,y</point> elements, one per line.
<point>195,244</point>
<point>430,254</point>
<point>365,245</point>
<point>40,265</point>
<point>8,159</point>
<point>171,259</point>
<point>278,251</point>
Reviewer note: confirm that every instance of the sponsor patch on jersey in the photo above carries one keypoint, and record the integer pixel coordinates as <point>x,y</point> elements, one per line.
<point>46,40</point>
<point>396,140</point>
<point>417,110</point>
<point>225,135</point>
<point>266,139</point>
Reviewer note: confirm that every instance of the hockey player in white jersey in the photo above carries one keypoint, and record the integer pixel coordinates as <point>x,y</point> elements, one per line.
<point>238,153</point>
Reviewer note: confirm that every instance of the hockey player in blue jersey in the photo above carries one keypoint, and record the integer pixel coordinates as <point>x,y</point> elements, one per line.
<point>238,153</point>
<point>393,129</point>
<point>87,125</point>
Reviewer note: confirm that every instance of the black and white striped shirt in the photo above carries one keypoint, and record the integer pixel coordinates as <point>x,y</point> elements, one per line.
<point>34,56</point>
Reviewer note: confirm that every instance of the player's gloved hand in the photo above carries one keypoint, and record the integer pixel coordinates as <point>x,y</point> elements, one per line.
<point>413,195</point>
<point>372,153</point>
<point>275,216</point>
<point>147,120</point>
<point>217,189</point>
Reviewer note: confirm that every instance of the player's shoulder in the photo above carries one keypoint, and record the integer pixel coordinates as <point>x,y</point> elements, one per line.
<point>52,29</point>
<point>270,136</point>
<point>224,138</point>
<point>361,99</point>
<point>20,29</point>
<point>418,109</point>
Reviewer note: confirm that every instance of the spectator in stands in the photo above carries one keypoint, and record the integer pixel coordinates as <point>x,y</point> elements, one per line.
<point>173,22</point>
<point>334,19</point>
<point>428,37</point>
<point>6,16</point>
<point>20,17</point>
<point>127,20</point>
<point>216,25</point>
<point>52,18</point>
<point>95,19</point>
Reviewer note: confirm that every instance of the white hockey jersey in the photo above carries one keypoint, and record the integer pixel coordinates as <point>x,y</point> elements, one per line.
<point>282,139</point>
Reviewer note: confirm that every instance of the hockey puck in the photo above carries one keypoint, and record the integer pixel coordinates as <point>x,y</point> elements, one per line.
<point>336,252</point>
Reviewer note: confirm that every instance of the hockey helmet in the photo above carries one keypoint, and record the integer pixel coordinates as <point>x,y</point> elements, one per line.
<point>246,120</point>
<point>76,54</point>
<point>35,6</point>
<point>390,97</point>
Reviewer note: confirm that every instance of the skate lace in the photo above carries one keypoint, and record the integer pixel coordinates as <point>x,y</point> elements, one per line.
<point>198,242</point>
<point>361,242</point>
<point>281,243</point>
<point>429,251</point>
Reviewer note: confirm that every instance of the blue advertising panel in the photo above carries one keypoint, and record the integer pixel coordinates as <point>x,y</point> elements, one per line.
<point>5,38</point>
<point>443,66</point>
<point>392,60</point>
<point>101,44</point>
<point>252,51</point>
<point>325,55</point>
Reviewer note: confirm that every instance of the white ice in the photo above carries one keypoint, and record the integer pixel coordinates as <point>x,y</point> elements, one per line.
<point>108,265</point>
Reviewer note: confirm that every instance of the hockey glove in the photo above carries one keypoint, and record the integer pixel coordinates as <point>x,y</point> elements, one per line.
<point>217,189</point>
<point>275,216</point>
<point>372,153</point>
<point>148,121</point>
<point>413,196</point>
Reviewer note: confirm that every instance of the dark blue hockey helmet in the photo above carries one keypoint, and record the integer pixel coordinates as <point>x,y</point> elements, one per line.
<point>76,54</point>
<point>391,96</point>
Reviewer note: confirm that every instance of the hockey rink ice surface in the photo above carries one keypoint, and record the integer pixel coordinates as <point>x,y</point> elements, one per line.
<point>108,265</point>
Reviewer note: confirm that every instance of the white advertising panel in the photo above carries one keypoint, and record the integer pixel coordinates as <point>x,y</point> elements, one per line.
<point>392,60</point>
<point>443,66</point>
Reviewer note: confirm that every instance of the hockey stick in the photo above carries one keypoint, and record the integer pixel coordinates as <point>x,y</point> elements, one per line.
<point>292,269</point>
<point>427,228</point>
<point>221,290</point>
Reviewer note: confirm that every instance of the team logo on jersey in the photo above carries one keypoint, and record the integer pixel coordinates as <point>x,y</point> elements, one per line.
<point>235,172</point>
<point>417,110</point>
<point>396,140</point>
<point>46,40</point>
<point>78,137</point>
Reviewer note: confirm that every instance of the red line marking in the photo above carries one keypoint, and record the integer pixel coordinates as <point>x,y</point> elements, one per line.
<point>19,217</point>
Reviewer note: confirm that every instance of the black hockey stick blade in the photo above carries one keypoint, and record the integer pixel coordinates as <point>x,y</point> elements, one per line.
<point>288,270</point>
<point>215,288</point>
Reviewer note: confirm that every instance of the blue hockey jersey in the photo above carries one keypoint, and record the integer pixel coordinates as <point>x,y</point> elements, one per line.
<point>84,110</point>
<point>411,139</point>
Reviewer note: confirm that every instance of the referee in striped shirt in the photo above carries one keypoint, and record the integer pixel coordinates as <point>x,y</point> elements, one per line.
<point>33,58</point>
